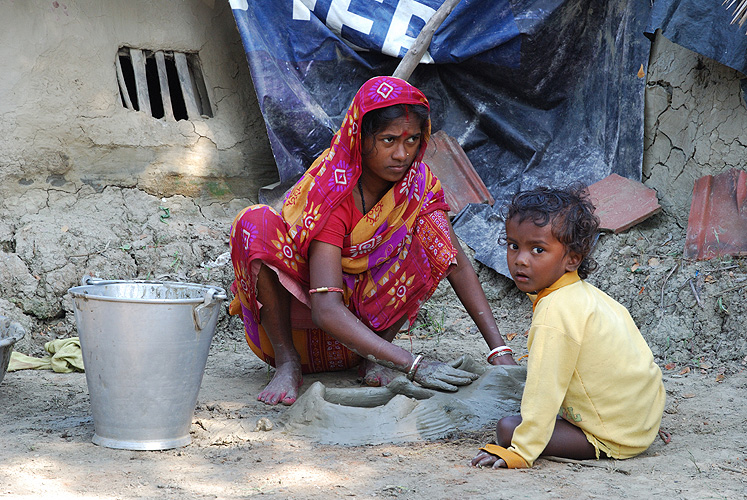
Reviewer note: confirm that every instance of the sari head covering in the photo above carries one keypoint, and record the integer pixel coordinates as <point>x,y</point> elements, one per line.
<point>394,256</point>
<point>334,174</point>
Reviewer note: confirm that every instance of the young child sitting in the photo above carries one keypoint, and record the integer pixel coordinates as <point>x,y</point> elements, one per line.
<point>592,385</point>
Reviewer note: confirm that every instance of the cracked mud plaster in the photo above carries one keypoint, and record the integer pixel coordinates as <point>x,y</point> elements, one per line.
<point>84,177</point>
<point>695,116</point>
<point>116,233</point>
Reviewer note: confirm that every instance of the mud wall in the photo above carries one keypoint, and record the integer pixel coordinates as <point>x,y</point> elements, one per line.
<point>91,187</point>
<point>694,124</point>
<point>63,121</point>
<point>692,313</point>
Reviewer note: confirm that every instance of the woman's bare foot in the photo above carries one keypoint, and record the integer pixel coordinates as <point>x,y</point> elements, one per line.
<point>375,375</point>
<point>283,388</point>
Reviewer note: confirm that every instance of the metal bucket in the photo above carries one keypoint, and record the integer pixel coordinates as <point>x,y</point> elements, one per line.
<point>10,333</point>
<point>145,345</point>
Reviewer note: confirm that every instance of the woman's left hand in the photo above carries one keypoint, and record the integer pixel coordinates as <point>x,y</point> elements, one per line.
<point>438,375</point>
<point>503,360</point>
<point>468,289</point>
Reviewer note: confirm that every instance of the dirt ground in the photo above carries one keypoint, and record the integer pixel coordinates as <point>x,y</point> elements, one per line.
<point>691,313</point>
<point>46,449</point>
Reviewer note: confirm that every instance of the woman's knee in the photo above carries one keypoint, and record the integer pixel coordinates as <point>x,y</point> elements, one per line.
<point>248,224</point>
<point>504,430</point>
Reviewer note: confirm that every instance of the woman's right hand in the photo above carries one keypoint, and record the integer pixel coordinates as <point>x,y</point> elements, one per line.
<point>438,375</point>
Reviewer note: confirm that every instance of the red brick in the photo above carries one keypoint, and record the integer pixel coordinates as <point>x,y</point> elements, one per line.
<point>461,183</point>
<point>622,203</point>
<point>717,225</point>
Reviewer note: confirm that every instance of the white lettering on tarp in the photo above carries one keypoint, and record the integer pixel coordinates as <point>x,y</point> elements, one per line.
<point>302,9</point>
<point>239,4</point>
<point>340,16</point>
<point>396,37</point>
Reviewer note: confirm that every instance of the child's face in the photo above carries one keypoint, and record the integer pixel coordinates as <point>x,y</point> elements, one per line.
<point>536,259</point>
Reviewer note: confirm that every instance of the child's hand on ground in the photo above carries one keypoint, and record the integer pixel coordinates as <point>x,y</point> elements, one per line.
<point>485,459</point>
<point>437,375</point>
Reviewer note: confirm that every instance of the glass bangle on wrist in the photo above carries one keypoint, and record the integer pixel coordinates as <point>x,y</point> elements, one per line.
<point>414,367</point>
<point>499,351</point>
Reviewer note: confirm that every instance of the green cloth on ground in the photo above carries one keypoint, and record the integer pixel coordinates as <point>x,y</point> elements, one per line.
<point>65,357</point>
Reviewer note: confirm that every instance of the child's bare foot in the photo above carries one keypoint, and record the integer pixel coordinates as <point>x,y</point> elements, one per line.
<point>283,388</point>
<point>375,375</point>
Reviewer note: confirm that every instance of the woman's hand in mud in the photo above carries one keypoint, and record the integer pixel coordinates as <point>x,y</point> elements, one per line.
<point>438,375</point>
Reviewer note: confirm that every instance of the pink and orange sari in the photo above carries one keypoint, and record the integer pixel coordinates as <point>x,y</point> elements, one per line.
<point>392,261</point>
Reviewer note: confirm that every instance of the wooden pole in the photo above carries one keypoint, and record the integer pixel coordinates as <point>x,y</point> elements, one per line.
<point>413,56</point>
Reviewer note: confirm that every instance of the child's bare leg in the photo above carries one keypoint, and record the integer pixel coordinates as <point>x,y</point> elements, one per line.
<point>275,319</point>
<point>567,441</point>
<point>374,374</point>
<point>504,431</point>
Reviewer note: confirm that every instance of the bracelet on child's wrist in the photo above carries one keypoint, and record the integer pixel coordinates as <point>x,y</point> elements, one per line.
<point>502,350</point>
<point>414,367</point>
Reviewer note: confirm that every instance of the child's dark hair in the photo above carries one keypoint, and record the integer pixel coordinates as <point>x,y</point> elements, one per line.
<point>376,120</point>
<point>571,214</point>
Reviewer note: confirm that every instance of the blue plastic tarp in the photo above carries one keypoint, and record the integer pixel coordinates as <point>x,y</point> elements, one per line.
<point>703,27</point>
<point>537,92</point>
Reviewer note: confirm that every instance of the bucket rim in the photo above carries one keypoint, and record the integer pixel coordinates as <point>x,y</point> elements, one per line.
<point>81,291</point>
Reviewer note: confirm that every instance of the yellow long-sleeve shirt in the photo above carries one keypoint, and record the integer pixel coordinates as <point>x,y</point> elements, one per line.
<point>589,363</point>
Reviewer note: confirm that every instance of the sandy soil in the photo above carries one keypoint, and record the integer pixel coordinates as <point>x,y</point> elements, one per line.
<point>46,449</point>
<point>691,313</point>
<point>46,430</point>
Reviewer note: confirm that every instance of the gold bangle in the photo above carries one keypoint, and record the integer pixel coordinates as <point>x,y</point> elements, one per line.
<point>326,289</point>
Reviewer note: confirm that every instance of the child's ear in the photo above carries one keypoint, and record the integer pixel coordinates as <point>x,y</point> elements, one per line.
<point>573,261</point>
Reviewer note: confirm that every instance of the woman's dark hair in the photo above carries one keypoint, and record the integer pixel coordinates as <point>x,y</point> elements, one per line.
<point>378,119</point>
<point>571,214</point>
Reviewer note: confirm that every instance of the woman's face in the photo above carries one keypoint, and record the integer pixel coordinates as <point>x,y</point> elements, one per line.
<point>388,154</point>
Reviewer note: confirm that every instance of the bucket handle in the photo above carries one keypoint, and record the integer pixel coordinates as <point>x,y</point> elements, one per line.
<point>202,313</point>
<point>15,332</point>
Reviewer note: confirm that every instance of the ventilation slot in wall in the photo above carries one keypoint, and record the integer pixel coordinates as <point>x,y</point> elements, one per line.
<point>162,83</point>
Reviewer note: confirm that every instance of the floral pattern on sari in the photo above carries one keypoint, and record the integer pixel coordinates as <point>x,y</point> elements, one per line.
<point>394,257</point>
